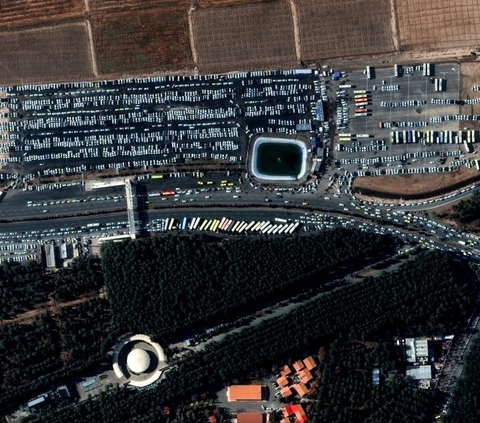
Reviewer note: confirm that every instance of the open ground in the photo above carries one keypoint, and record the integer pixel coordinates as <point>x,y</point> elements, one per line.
<point>55,53</point>
<point>151,39</point>
<point>416,186</point>
<point>257,35</point>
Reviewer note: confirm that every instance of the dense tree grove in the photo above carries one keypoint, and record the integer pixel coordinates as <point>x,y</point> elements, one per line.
<point>84,275</point>
<point>348,395</point>
<point>163,285</point>
<point>464,407</point>
<point>424,293</point>
<point>21,287</point>
<point>35,355</point>
<point>24,287</point>
<point>467,211</point>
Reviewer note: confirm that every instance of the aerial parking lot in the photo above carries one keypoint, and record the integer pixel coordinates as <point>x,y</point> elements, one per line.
<point>403,120</point>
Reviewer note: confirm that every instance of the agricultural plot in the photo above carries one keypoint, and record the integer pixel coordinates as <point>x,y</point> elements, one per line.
<point>149,39</point>
<point>349,28</point>
<point>443,24</point>
<point>100,6</point>
<point>24,13</point>
<point>58,53</point>
<point>254,35</point>
<point>209,3</point>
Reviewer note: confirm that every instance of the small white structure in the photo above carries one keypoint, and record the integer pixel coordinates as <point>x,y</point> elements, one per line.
<point>138,361</point>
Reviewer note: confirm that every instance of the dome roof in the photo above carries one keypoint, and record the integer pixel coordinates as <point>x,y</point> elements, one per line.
<point>138,360</point>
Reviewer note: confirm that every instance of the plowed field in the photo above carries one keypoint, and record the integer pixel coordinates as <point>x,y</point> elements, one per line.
<point>330,28</point>
<point>50,54</point>
<point>442,24</point>
<point>152,39</point>
<point>105,6</point>
<point>253,35</point>
<point>25,13</point>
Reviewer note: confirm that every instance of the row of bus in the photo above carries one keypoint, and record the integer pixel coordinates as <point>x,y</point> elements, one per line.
<point>280,226</point>
<point>361,99</point>
<point>434,137</point>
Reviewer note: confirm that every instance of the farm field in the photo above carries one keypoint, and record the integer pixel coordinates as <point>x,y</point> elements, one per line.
<point>27,13</point>
<point>154,39</point>
<point>57,53</point>
<point>415,186</point>
<point>254,35</point>
<point>433,25</point>
<point>349,28</point>
<point>108,6</point>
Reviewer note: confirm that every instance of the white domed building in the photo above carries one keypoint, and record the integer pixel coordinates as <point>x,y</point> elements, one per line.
<point>138,361</point>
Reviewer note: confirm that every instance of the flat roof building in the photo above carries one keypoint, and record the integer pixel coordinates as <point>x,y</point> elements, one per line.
<point>251,417</point>
<point>50,255</point>
<point>419,372</point>
<point>245,393</point>
<point>416,350</point>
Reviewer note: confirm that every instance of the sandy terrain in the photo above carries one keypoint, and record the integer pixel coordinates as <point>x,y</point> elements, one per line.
<point>257,35</point>
<point>415,186</point>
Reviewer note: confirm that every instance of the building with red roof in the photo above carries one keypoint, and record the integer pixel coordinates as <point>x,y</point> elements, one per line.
<point>250,417</point>
<point>298,365</point>
<point>310,363</point>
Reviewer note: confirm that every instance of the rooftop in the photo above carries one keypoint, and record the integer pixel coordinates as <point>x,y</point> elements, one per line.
<point>251,417</point>
<point>244,393</point>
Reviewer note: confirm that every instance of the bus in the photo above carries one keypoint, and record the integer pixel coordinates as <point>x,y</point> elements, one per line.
<point>271,229</point>
<point>295,226</point>
<point>157,176</point>
<point>222,222</point>
<point>361,100</point>
<point>250,225</point>
<point>277,219</point>
<point>369,72</point>
<point>93,225</point>
<point>281,229</point>
<point>168,193</point>
<point>170,225</point>
<point>266,228</point>
<point>184,224</point>
<point>242,226</point>
<point>360,92</point>
<point>361,110</point>
<point>229,225</point>
<point>256,226</point>
<point>364,103</point>
<point>202,226</point>
<point>208,225</point>
<point>361,114</point>
<point>237,224</point>
<point>215,225</point>
<point>195,223</point>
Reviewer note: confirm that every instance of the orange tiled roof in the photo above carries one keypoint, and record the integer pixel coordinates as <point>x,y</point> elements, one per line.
<point>298,365</point>
<point>310,363</point>
<point>300,388</point>
<point>253,417</point>
<point>244,393</point>
<point>286,391</point>
<point>282,381</point>
<point>305,375</point>
<point>286,370</point>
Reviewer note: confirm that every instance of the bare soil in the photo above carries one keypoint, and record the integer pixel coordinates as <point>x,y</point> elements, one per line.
<point>416,186</point>
<point>51,306</point>
<point>15,14</point>
<point>438,24</point>
<point>148,39</point>
<point>56,53</point>
<point>347,28</point>
<point>253,35</point>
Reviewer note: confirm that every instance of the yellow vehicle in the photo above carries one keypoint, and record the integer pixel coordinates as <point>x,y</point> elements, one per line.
<point>305,203</point>
<point>358,208</point>
<point>230,184</point>
<point>209,182</point>
<point>164,198</point>
<point>224,181</point>
<point>200,182</point>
